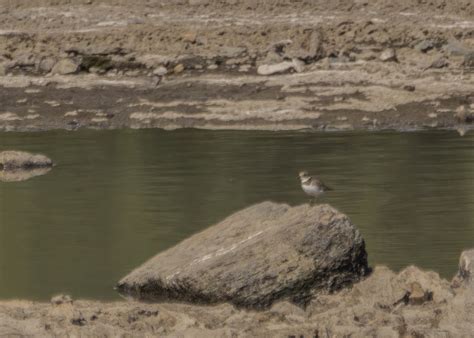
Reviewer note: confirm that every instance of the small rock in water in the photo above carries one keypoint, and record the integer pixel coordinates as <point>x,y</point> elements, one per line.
<point>21,160</point>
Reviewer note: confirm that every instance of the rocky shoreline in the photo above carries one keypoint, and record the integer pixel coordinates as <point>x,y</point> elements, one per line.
<point>247,276</point>
<point>237,65</point>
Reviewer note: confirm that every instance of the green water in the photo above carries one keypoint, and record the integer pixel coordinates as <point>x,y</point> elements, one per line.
<point>117,198</point>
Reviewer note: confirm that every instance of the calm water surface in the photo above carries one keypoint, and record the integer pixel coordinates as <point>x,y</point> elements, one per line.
<point>117,198</point>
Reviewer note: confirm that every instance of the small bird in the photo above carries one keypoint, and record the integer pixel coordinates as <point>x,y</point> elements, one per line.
<point>312,185</point>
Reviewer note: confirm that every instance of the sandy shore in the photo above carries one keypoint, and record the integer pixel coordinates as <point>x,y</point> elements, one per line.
<point>413,303</point>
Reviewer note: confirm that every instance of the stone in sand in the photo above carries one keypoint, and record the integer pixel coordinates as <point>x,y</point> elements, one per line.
<point>65,67</point>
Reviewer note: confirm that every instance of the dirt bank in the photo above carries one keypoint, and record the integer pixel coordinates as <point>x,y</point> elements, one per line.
<point>276,65</point>
<point>413,303</point>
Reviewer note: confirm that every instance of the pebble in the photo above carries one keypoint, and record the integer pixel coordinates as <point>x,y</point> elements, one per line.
<point>65,67</point>
<point>388,55</point>
<point>244,68</point>
<point>160,71</point>
<point>189,37</point>
<point>179,68</point>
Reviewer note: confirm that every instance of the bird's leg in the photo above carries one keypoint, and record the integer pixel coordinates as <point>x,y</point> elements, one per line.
<point>312,201</point>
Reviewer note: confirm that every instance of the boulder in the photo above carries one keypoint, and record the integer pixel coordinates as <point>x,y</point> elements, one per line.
<point>65,67</point>
<point>262,254</point>
<point>21,160</point>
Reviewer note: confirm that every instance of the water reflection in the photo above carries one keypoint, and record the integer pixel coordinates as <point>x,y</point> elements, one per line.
<point>117,198</point>
<point>21,175</point>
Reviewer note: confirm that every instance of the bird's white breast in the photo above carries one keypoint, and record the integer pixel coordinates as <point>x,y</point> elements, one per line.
<point>312,190</point>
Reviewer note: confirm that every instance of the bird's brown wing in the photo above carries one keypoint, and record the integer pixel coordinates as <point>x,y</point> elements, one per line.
<point>323,186</point>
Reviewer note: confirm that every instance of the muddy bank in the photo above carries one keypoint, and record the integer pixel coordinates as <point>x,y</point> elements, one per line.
<point>286,102</point>
<point>270,65</point>
<point>412,303</point>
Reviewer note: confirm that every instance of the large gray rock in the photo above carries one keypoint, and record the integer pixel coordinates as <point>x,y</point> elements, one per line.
<point>21,160</point>
<point>259,255</point>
